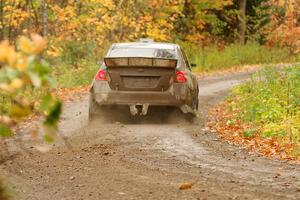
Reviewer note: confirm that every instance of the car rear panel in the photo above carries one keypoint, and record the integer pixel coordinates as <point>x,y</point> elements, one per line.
<point>104,95</point>
<point>144,74</point>
<point>140,74</point>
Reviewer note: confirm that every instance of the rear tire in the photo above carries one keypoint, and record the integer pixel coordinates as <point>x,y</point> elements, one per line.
<point>196,104</point>
<point>191,117</point>
<point>196,100</point>
<point>93,108</point>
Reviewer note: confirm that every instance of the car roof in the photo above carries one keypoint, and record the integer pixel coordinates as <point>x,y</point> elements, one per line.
<point>150,45</point>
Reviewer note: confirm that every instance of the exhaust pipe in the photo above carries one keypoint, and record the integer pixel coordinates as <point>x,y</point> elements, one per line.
<point>134,110</point>
<point>145,109</point>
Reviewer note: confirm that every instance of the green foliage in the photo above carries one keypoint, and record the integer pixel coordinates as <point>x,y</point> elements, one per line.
<point>249,133</point>
<point>75,51</point>
<point>4,194</point>
<point>207,59</point>
<point>5,131</point>
<point>271,102</point>
<point>54,113</point>
<point>231,122</point>
<point>235,55</point>
<point>69,76</point>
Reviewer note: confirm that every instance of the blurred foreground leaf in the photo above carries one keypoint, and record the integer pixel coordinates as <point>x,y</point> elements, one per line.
<point>5,131</point>
<point>25,83</point>
<point>54,114</point>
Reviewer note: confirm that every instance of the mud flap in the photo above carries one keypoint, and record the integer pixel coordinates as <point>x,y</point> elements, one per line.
<point>186,109</point>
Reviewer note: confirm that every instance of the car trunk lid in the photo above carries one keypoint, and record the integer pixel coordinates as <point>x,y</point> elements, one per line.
<point>140,74</point>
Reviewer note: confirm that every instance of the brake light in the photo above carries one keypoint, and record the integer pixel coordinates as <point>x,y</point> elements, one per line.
<point>180,77</point>
<point>101,75</point>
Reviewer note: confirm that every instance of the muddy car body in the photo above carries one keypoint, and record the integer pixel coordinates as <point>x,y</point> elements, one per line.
<point>143,74</point>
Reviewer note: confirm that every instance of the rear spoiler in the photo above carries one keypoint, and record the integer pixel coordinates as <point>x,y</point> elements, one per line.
<point>140,62</point>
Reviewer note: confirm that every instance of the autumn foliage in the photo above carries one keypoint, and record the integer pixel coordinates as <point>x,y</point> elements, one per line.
<point>263,114</point>
<point>101,22</point>
<point>284,28</point>
<point>232,129</point>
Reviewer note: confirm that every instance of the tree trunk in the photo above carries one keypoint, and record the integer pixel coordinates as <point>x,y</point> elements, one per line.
<point>242,21</point>
<point>44,17</point>
<point>78,6</point>
<point>1,20</point>
<point>36,16</point>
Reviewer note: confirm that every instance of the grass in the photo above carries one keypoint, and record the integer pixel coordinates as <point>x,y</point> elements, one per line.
<point>270,103</point>
<point>233,56</point>
<point>77,66</point>
<point>68,76</point>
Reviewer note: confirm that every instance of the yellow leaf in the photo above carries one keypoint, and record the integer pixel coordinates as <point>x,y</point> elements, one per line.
<point>12,57</point>
<point>22,64</point>
<point>19,111</point>
<point>186,186</point>
<point>25,45</point>
<point>16,83</point>
<point>6,88</point>
<point>39,43</point>
<point>4,50</point>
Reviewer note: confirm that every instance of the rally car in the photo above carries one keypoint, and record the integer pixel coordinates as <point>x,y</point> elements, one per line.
<point>144,74</point>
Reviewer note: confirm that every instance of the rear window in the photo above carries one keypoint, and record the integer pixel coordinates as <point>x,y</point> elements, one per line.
<point>137,61</point>
<point>143,52</point>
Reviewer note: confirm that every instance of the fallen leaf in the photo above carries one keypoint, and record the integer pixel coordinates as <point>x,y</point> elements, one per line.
<point>185,186</point>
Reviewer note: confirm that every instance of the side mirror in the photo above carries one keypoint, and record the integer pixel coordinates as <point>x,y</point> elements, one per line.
<point>193,65</point>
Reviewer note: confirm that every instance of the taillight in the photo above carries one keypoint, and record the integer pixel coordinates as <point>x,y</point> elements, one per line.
<point>101,75</point>
<point>180,77</point>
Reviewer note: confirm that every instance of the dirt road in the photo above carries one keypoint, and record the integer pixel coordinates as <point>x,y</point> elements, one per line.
<point>148,159</point>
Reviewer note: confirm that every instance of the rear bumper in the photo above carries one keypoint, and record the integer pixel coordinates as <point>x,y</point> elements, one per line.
<point>103,95</point>
<point>128,98</point>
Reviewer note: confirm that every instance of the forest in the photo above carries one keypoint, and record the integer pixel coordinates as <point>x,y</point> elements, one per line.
<point>74,25</point>
<point>240,32</point>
